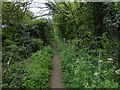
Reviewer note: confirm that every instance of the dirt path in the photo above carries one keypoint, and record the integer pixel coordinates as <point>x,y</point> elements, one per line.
<point>56,78</point>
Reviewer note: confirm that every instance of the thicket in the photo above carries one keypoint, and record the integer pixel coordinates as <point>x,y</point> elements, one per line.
<point>82,70</point>
<point>88,38</point>
<point>88,43</point>
<point>23,35</point>
<point>33,72</point>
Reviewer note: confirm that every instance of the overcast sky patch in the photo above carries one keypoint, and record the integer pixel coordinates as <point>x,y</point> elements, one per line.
<point>39,8</point>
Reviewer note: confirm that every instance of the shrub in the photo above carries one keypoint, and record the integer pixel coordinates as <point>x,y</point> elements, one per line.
<point>33,72</point>
<point>32,44</point>
<point>82,70</point>
<point>14,52</point>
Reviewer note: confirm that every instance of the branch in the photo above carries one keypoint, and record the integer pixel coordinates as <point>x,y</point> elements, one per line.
<point>42,11</point>
<point>61,9</point>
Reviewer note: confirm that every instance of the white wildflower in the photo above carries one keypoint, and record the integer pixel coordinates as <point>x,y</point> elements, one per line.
<point>77,61</point>
<point>117,71</point>
<point>110,59</point>
<point>90,64</point>
<point>96,74</point>
<point>86,83</point>
<point>99,61</point>
<point>104,71</point>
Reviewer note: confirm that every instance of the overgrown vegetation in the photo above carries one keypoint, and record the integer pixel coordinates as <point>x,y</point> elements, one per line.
<point>82,70</point>
<point>26,52</point>
<point>88,39</point>
<point>21,34</point>
<point>88,43</point>
<point>33,72</point>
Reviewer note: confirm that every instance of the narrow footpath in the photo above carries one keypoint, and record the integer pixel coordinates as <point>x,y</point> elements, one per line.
<point>56,78</point>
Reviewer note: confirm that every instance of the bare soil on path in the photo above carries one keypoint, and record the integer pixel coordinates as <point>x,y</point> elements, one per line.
<point>56,78</point>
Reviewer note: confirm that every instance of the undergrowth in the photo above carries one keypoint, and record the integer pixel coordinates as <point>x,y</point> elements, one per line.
<point>33,72</point>
<point>82,70</point>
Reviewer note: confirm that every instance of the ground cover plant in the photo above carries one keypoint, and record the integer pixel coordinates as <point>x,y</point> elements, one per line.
<point>81,70</point>
<point>33,72</point>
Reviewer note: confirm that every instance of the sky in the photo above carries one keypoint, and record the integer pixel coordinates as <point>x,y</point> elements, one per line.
<point>34,7</point>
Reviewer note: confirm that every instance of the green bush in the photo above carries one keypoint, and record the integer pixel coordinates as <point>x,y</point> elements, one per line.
<point>32,44</point>
<point>13,53</point>
<point>39,28</point>
<point>82,70</point>
<point>19,52</point>
<point>33,72</point>
<point>13,77</point>
<point>39,69</point>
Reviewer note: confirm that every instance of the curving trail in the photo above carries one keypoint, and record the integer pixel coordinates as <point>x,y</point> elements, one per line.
<point>56,77</point>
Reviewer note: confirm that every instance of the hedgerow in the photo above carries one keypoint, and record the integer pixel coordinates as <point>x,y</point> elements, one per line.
<point>82,70</point>
<point>33,72</point>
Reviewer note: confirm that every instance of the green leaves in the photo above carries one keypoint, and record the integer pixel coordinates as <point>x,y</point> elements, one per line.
<point>33,72</point>
<point>82,70</point>
<point>38,70</point>
<point>10,12</point>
